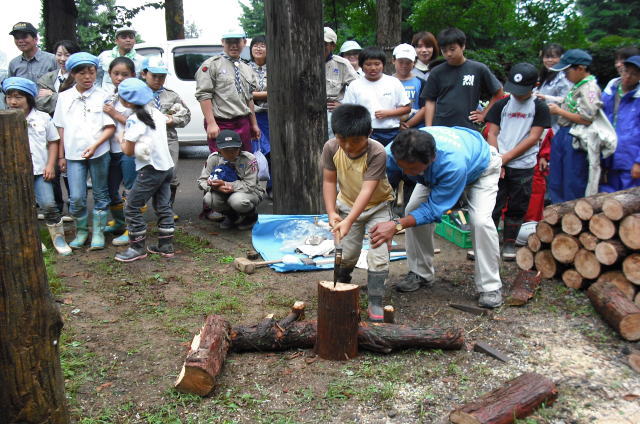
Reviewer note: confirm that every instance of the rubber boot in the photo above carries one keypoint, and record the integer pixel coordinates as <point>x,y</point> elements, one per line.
<point>375,290</point>
<point>121,240</point>
<point>173,199</point>
<point>165,243</point>
<point>43,247</point>
<point>56,231</point>
<point>117,225</point>
<point>82,232</point>
<point>136,248</point>
<point>97,231</point>
<point>344,274</point>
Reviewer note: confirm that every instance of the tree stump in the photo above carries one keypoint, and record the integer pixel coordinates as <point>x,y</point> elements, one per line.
<point>588,240</point>
<point>629,231</point>
<point>338,317</point>
<point>587,264</point>
<point>602,227</point>
<point>546,232</point>
<point>572,224</point>
<point>631,268</point>
<point>618,279</point>
<point>517,398</point>
<point>618,311</point>
<point>205,358</point>
<point>523,288</point>
<point>564,248</point>
<point>609,252</point>
<point>621,204</point>
<point>572,279</point>
<point>524,258</point>
<point>546,264</point>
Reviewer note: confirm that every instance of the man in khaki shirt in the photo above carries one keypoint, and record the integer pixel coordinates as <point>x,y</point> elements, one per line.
<point>224,87</point>
<point>338,72</point>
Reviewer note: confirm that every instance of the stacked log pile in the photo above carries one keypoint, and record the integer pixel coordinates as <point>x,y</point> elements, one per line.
<point>593,243</point>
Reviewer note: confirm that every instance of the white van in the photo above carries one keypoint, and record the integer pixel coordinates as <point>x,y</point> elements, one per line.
<point>184,57</point>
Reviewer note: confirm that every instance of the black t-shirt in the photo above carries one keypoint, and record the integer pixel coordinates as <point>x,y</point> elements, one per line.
<point>542,117</point>
<point>457,91</point>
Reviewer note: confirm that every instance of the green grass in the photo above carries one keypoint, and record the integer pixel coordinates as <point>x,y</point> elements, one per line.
<point>56,283</point>
<point>197,245</point>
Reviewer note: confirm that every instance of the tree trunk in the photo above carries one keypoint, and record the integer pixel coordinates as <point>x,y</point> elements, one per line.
<point>588,240</point>
<point>524,258</point>
<point>523,288</point>
<point>533,242</point>
<point>517,398</point>
<point>546,264</point>
<point>564,248</point>
<point>610,252</point>
<point>571,224</point>
<point>618,311</point>
<point>552,214</point>
<point>385,338</point>
<point>602,227</point>
<point>618,279</point>
<point>174,19</point>
<point>30,322</point>
<point>298,122</point>
<point>59,20</point>
<point>389,18</point>
<point>205,358</point>
<point>631,268</point>
<point>572,279</point>
<point>587,264</point>
<point>546,232</point>
<point>338,317</point>
<point>629,231</point>
<point>622,204</point>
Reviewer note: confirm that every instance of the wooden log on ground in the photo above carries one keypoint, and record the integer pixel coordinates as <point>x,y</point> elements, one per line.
<point>587,264</point>
<point>621,204</point>
<point>385,338</point>
<point>609,252</point>
<point>534,243</point>
<point>546,232</point>
<point>631,268</point>
<point>629,231</point>
<point>338,317</point>
<point>602,227</point>
<point>572,279</point>
<point>273,338</point>
<point>588,240</point>
<point>552,214</point>
<point>618,279</point>
<point>586,207</point>
<point>546,264</point>
<point>517,398</point>
<point>618,311</point>
<point>205,358</point>
<point>564,248</point>
<point>572,224</point>
<point>523,288</point>
<point>524,258</point>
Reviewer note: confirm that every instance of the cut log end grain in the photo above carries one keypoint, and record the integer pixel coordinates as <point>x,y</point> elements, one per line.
<point>616,309</point>
<point>587,264</point>
<point>610,252</point>
<point>572,279</point>
<point>552,214</point>
<point>618,205</point>
<point>583,209</point>
<point>602,227</point>
<point>572,224</point>
<point>618,279</point>
<point>588,240</point>
<point>564,248</point>
<point>631,268</point>
<point>545,264</point>
<point>524,258</point>
<point>533,242</point>
<point>630,231</point>
<point>546,232</point>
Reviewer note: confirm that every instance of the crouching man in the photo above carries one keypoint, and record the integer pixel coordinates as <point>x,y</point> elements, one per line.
<point>445,163</point>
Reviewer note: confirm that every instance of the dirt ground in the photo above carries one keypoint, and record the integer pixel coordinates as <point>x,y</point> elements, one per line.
<point>128,328</point>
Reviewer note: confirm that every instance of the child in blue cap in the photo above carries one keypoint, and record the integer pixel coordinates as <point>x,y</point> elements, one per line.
<point>84,133</point>
<point>146,128</point>
<point>43,143</point>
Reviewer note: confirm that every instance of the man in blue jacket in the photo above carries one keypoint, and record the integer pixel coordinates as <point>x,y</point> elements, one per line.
<point>445,163</point>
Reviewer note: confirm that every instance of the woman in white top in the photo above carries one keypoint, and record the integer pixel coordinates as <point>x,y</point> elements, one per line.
<point>554,86</point>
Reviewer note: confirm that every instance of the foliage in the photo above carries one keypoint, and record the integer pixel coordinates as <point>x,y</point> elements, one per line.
<point>191,30</point>
<point>253,20</point>
<point>611,17</point>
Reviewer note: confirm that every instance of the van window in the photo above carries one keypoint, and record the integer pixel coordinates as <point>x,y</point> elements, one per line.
<point>150,51</point>
<point>187,59</point>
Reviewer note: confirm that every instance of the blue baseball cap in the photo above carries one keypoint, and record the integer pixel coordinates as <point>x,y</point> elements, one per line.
<point>135,91</point>
<point>22,84</point>
<point>573,57</point>
<point>81,58</point>
<point>633,60</point>
<point>155,65</point>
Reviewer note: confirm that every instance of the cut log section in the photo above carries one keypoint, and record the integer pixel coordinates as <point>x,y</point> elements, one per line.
<point>546,264</point>
<point>546,232</point>
<point>602,227</point>
<point>517,398</point>
<point>552,214</point>
<point>631,268</point>
<point>586,207</point>
<point>564,248</point>
<point>610,252</point>
<point>524,258</point>
<point>618,311</point>
<point>572,224</point>
<point>630,231</point>
<point>621,204</point>
<point>636,300</point>
<point>618,279</point>
<point>523,288</point>
<point>205,358</point>
<point>338,317</point>
<point>385,338</point>
<point>588,240</point>
<point>587,264</point>
<point>389,314</point>
<point>271,337</point>
<point>572,279</point>
<point>296,314</point>
<point>534,243</point>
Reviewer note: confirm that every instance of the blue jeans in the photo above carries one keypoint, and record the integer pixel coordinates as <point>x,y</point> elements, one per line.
<point>122,169</point>
<point>45,198</point>
<point>77,170</point>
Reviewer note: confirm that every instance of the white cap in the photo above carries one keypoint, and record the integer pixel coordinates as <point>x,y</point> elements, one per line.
<point>405,51</point>
<point>125,29</point>
<point>330,35</point>
<point>350,45</point>
<point>234,32</point>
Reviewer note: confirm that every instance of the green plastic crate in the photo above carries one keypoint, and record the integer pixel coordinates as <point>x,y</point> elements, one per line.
<point>455,235</point>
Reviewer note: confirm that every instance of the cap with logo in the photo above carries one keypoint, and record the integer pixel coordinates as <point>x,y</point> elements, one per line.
<point>155,65</point>
<point>573,57</point>
<point>234,32</point>
<point>135,91</point>
<point>522,79</point>
<point>125,30</point>
<point>405,51</point>
<point>24,27</point>
<point>633,60</point>
<point>22,84</point>
<point>330,35</point>
<point>228,139</point>
<point>80,58</point>
<point>349,46</point>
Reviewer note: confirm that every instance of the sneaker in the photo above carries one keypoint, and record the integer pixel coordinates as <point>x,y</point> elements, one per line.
<point>40,216</point>
<point>247,222</point>
<point>215,216</point>
<point>491,299</point>
<point>471,255</point>
<point>227,223</point>
<point>412,282</point>
<point>176,217</point>
<point>67,218</point>
<point>509,252</point>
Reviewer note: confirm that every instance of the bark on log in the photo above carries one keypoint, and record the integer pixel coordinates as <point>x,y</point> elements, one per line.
<point>618,311</point>
<point>523,288</point>
<point>587,264</point>
<point>572,224</point>
<point>205,358</point>
<point>546,264</point>
<point>546,232</point>
<point>618,279</point>
<point>631,268</point>
<point>564,248</point>
<point>296,314</point>
<point>586,207</point>
<point>629,231</point>
<point>517,398</point>
<point>621,204</point>
<point>552,214</point>
<point>261,338</point>
<point>338,317</point>
<point>385,338</point>
<point>572,279</point>
<point>602,227</point>
<point>533,242</point>
<point>524,258</point>
<point>610,252</point>
<point>588,240</point>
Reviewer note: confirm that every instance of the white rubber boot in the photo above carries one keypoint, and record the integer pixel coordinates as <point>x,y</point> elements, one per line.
<point>56,231</point>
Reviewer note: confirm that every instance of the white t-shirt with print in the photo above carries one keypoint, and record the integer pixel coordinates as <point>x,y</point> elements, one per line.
<point>137,131</point>
<point>385,93</point>
<point>41,132</point>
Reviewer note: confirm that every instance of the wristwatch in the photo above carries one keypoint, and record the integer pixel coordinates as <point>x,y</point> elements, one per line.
<point>399,226</point>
